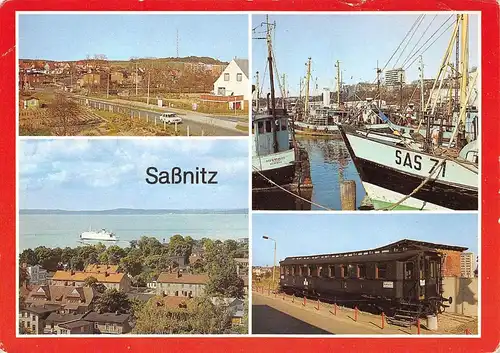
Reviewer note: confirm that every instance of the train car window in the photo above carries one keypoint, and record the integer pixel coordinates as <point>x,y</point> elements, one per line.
<point>313,271</point>
<point>343,271</point>
<point>353,271</point>
<point>361,271</point>
<point>432,272</point>
<point>409,268</point>
<point>331,271</point>
<point>381,272</point>
<point>322,271</point>
<point>301,271</point>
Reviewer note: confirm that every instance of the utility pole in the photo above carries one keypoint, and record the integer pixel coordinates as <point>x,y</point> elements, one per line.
<point>107,89</point>
<point>136,79</point>
<point>308,78</point>
<point>421,88</point>
<point>149,79</point>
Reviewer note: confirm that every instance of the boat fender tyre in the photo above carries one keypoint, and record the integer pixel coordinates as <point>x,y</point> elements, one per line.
<point>450,300</point>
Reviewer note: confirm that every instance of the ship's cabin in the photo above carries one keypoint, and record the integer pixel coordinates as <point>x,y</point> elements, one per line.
<point>262,129</point>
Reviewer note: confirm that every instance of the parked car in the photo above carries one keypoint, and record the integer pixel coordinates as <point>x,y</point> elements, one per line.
<point>170,118</point>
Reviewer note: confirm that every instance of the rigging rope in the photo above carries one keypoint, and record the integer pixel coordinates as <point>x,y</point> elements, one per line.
<point>291,193</point>
<point>422,36</point>
<point>409,40</point>
<point>418,53</point>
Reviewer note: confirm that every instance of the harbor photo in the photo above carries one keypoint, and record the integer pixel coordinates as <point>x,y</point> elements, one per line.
<point>133,237</point>
<point>366,112</point>
<point>365,274</point>
<point>130,74</point>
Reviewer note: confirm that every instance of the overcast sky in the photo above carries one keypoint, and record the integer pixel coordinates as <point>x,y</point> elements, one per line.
<point>82,174</point>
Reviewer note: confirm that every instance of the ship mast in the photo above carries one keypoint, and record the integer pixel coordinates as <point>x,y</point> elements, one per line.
<point>308,77</point>
<point>271,79</point>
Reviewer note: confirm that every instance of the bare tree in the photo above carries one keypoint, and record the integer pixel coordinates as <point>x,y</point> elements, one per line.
<point>64,113</point>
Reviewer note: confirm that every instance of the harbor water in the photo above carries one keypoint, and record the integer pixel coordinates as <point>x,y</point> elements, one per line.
<point>330,163</point>
<point>56,230</point>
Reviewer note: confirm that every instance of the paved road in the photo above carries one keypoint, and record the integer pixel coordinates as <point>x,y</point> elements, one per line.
<point>198,124</point>
<point>275,316</point>
<point>267,320</point>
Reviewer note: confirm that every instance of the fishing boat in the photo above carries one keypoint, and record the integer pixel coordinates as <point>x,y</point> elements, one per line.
<point>100,235</point>
<point>401,172</point>
<point>274,156</point>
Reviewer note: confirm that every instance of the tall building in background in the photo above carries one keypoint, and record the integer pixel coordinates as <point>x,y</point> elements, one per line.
<point>394,77</point>
<point>467,264</point>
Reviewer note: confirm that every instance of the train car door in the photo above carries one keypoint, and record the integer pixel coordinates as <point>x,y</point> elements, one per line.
<point>431,279</point>
<point>409,280</point>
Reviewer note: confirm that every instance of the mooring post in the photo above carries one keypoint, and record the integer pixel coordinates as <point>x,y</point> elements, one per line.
<point>317,307</point>
<point>175,127</point>
<point>348,195</point>
<point>293,298</point>
<point>335,309</point>
<point>355,313</point>
<point>283,295</point>
<point>418,326</point>
<point>188,130</point>
<point>304,304</point>
<point>383,320</point>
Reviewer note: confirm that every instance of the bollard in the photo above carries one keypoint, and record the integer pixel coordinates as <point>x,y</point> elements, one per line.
<point>188,130</point>
<point>348,195</point>
<point>317,305</point>
<point>293,298</point>
<point>304,304</point>
<point>140,114</point>
<point>355,313</point>
<point>175,127</point>
<point>418,326</point>
<point>155,120</point>
<point>383,320</point>
<point>335,309</point>
<point>283,296</point>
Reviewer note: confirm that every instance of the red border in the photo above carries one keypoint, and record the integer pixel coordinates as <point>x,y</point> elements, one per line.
<point>490,322</point>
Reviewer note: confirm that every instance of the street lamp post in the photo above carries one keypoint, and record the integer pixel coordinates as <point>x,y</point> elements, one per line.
<point>274,263</point>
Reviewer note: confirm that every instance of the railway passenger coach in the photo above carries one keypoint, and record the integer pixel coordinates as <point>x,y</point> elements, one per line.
<point>403,279</point>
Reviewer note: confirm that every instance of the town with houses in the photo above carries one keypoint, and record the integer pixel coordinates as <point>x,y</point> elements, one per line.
<point>183,286</point>
<point>187,85</point>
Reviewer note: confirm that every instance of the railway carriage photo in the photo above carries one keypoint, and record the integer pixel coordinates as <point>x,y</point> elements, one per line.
<point>411,273</point>
<point>403,279</point>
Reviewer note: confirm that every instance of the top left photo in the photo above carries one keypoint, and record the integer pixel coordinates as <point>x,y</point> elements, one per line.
<point>132,74</point>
